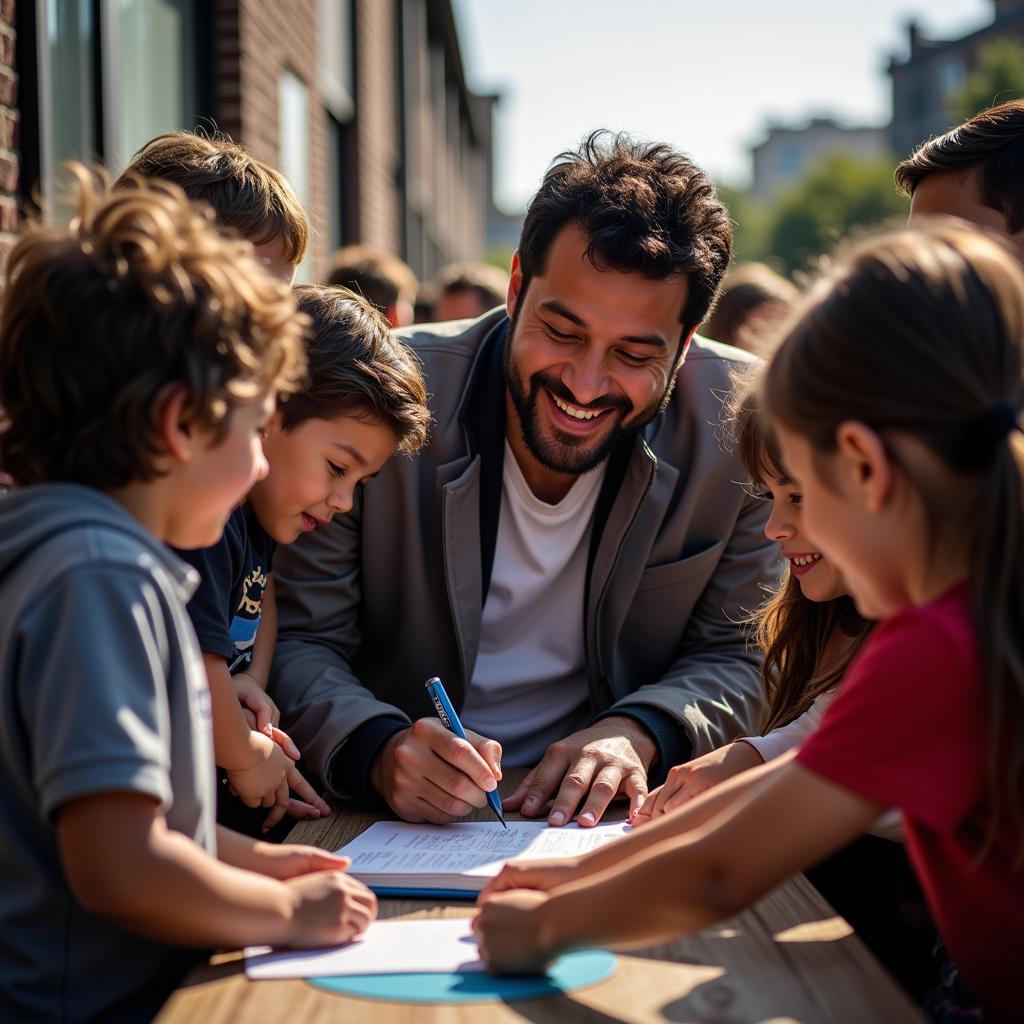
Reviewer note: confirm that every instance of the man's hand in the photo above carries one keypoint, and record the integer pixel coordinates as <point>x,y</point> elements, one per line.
<point>427,773</point>
<point>595,765</point>
<point>685,781</point>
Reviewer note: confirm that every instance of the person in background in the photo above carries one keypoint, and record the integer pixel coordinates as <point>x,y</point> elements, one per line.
<point>466,291</point>
<point>753,302</point>
<point>975,171</point>
<point>246,194</point>
<point>382,279</point>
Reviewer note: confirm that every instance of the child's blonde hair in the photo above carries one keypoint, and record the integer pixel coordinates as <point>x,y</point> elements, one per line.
<point>921,332</point>
<point>142,293</point>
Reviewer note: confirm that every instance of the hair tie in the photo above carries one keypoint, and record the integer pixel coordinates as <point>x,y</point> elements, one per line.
<point>999,421</point>
<point>982,435</point>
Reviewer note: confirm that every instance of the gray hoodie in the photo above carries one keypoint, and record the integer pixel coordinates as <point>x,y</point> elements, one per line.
<point>102,690</point>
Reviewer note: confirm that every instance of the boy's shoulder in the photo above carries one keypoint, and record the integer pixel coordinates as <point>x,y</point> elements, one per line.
<point>49,531</point>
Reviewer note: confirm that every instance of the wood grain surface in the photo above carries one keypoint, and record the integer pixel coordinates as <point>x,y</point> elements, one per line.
<point>788,959</point>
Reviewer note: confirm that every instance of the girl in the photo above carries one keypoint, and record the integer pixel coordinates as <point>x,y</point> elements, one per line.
<point>895,397</point>
<point>809,630</point>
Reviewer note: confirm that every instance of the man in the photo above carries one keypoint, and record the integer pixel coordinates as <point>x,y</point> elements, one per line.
<point>573,553</point>
<point>973,171</point>
<point>378,276</point>
<point>467,290</point>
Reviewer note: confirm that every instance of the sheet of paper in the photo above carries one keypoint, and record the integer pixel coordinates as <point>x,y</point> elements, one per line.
<point>387,947</point>
<point>468,847</point>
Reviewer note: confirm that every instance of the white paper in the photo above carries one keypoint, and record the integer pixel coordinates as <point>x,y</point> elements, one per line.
<point>469,849</point>
<point>387,947</point>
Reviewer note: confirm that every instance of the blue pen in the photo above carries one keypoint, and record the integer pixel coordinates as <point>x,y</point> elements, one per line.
<point>450,720</point>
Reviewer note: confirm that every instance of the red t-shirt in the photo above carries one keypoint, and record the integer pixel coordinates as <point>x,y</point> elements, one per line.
<point>909,729</point>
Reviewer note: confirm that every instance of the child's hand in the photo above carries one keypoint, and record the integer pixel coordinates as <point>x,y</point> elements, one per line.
<point>288,860</point>
<point>685,781</point>
<point>254,699</point>
<point>540,875</point>
<point>330,907</point>
<point>510,931</point>
<point>265,778</point>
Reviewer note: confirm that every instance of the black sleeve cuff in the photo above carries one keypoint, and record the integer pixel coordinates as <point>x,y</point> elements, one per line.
<point>348,771</point>
<point>674,745</point>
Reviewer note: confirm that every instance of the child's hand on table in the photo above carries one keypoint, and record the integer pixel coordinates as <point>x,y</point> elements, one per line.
<point>511,932</point>
<point>539,875</point>
<point>685,781</point>
<point>329,908</point>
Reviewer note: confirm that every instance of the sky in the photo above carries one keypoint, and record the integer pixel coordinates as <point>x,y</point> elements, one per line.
<point>704,75</point>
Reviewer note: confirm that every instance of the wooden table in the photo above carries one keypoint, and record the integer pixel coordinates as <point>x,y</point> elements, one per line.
<point>788,959</point>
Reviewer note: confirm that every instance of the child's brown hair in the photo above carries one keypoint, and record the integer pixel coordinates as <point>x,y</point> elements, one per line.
<point>793,632</point>
<point>920,332</point>
<point>357,367</point>
<point>245,193</point>
<point>141,294</point>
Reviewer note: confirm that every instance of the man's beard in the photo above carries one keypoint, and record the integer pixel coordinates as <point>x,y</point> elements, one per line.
<point>567,453</point>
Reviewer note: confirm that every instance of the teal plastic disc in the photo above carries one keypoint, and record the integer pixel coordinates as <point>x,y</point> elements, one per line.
<point>570,972</point>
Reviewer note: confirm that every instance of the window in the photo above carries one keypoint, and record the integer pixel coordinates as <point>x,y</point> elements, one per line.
<point>66,41</point>
<point>111,74</point>
<point>293,139</point>
<point>150,72</point>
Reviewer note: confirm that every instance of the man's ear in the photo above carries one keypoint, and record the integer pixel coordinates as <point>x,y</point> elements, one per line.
<point>684,347</point>
<point>864,464</point>
<point>515,284</point>
<point>175,424</point>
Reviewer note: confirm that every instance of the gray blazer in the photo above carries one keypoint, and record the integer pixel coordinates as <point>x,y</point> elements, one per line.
<point>379,600</point>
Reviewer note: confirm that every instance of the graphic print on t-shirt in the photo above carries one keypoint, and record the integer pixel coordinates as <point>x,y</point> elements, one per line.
<point>246,620</point>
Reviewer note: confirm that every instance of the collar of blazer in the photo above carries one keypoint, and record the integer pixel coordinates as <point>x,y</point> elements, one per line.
<point>482,416</point>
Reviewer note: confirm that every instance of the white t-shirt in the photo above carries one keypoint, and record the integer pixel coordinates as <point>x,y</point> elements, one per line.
<point>529,686</point>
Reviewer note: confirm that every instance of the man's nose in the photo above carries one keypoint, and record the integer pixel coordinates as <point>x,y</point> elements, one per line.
<point>586,378</point>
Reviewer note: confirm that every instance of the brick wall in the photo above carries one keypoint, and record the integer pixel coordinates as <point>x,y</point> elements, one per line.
<point>378,124</point>
<point>9,217</point>
<point>254,42</point>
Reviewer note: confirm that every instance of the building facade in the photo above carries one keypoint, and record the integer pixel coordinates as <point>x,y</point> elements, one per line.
<point>789,152</point>
<point>363,104</point>
<point>924,82</point>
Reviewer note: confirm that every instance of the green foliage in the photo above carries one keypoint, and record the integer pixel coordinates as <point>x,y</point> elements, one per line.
<point>841,194</point>
<point>999,77</point>
<point>750,223</point>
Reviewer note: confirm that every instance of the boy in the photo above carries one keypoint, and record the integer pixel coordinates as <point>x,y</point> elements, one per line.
<point>256,201</point>
<point>140,354</point>
<point>378,276</point>
<point>364,400</point>
<point>973,172</point>
<point>245,193</point>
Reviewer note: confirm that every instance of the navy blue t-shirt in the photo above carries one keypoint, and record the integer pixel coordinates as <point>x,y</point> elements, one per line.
<point>227,606</point>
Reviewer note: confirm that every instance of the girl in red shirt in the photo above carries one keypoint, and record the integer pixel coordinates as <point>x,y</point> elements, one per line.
<point>895,397</point>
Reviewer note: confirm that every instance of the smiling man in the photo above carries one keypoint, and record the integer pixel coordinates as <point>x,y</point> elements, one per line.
<point>572,553</point>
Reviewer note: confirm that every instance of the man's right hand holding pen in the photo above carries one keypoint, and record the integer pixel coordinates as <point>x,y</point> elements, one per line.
<point>427,773</point>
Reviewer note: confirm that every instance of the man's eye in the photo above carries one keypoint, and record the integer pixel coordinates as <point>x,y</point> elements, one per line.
<point>634,358</point>
<point>560,335</point>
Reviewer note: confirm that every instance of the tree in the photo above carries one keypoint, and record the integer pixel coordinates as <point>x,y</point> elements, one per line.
<point>999,77</point>
<point>838,195</point>
<point>750,223</point>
